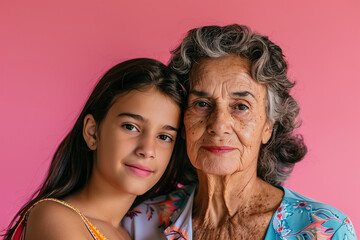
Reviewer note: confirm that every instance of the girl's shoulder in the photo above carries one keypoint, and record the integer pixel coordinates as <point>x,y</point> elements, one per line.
<point>54,219</point>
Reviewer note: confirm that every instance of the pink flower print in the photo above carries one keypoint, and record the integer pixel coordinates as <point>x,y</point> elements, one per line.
<point>349,226</point>
<point>283,230</point>
<point>281,213</point>
<point>176,233</point>
<point>301,206</point>
<point>316,229</point>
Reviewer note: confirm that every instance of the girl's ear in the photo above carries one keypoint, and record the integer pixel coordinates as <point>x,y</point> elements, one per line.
<point>89,132</point>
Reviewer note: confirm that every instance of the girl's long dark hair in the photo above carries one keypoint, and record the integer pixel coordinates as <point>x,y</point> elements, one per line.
<point>72,163</point>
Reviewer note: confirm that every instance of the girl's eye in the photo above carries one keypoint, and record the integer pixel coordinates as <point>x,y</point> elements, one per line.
<point>130,127</point>
<point>241,107</point>
<point>166,138</point>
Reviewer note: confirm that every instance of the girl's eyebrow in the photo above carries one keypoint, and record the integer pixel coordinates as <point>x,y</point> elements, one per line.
<point>171,128</point>
<point>140,118</point>
<point>135,116</point>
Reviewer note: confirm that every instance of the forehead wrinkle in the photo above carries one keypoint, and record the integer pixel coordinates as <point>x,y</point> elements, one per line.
<point>236,79</point>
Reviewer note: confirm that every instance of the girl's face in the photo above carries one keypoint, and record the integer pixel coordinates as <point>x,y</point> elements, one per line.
<point>135,141</point>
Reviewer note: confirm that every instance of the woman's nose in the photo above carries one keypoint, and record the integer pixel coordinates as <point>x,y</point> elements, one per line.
<point>219,122</point>
<point>146,147</point>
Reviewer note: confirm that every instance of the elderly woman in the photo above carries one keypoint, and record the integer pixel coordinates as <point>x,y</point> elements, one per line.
<point>239,125</point>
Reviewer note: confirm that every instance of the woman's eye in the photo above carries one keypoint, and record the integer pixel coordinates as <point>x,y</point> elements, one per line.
<point>241,107</point>
<point>130,127</point>
<point>202,104</point>
<point>165,138</point>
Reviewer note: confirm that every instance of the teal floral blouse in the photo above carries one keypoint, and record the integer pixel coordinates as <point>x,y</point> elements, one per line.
<point>298,218</point>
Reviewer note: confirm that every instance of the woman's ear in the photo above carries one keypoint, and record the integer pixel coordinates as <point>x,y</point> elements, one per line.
<point>268,129</point>
<point>90,131</point>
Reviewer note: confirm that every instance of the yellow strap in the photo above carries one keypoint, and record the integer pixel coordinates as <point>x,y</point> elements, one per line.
<point>95,233</point>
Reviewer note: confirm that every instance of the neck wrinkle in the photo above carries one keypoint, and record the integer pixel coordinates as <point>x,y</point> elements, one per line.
<point>220,197</point>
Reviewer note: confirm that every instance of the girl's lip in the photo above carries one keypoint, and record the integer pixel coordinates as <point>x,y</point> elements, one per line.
<point>139,170</point>
<point>218,149</point>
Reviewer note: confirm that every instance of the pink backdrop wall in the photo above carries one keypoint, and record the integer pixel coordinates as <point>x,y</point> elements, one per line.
<point>53,52</point>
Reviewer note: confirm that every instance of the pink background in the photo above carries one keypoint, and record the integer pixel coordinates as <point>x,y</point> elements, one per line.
<point>53,52</point>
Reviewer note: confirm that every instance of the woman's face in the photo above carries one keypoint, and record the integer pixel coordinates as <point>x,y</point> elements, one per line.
<point>225,121</point>
<point>136,140</point>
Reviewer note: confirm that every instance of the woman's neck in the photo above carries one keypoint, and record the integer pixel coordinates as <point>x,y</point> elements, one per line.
<point>219,198</point>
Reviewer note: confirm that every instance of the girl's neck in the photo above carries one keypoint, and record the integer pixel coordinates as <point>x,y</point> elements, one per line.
<point>102,202</point>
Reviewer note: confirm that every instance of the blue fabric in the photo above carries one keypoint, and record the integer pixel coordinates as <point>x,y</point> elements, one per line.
<point>298,217</point>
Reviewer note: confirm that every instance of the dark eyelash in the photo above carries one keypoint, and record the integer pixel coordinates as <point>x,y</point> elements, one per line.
<point>170,138</point>
<point>197,103</point>
<point>243,106</point>
<point>128,126</point>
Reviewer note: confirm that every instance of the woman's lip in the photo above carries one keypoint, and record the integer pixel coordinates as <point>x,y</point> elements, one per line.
<point>139,170</point>
<point>218,149</point>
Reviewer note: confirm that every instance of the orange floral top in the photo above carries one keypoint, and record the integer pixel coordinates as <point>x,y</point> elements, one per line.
<point>19,233</point>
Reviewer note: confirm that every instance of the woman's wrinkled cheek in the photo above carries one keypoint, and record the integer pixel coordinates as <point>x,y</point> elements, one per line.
<point>194,128</point>
<point>193,124</point>
<point>194,132</point>
<point>247,130</point>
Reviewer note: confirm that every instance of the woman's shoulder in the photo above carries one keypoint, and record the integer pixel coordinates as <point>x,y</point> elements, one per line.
<point>300,203</point>
<point>54,219</point>
<point>298,214</point>
<point>152,217</point>
<point>168,204</point>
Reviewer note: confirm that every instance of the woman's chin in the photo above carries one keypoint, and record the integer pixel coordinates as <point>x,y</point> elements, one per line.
<point>218,169</point>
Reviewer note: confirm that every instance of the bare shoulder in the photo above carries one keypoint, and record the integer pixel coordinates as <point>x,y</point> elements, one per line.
<point>52,220</point>
<point>110,231</point>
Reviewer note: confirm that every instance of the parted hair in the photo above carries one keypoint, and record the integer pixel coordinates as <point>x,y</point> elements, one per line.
<point>72,163</point>
<point>268,66</point>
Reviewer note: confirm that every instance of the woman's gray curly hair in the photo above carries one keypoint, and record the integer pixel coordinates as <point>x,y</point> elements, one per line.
<point>278,157</point>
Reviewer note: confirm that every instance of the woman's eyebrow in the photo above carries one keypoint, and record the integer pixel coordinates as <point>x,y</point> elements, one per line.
<point>234,94</point>
<point>243,94</point>
<point>199,93</point>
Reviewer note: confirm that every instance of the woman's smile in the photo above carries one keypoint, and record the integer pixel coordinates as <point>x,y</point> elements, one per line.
<point>218,149</point>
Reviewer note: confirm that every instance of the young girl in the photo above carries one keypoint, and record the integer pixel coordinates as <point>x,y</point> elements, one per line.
<point>118,153</point>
